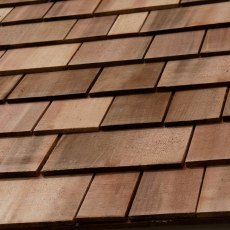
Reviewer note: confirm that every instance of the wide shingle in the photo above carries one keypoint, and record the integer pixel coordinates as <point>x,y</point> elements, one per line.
<point>119,149</point>
<point>111,51</point>
<point>27,12</point>
<point>108,197</point>
<point>7,83</point>
<point>167,46</point>
<point>61,84</point>
<point>20,118</point>
<point>34,32</point>
<point>24,155</point>
<point>215,199</point>
<point>137,110</point>
<point>217,40</point>
<point>187,17</point>
<point>41,201</point>
<point>74,115</point>
<point>127,78</point>
<point>120,6</point>
<point>89,28</point>
<point>34,58</point>
<point>200,106</point>
<point>167,194</point>
<point>128,23</point>
<point>210,145</point>
<point>194,73</point>
<point>72,8</point>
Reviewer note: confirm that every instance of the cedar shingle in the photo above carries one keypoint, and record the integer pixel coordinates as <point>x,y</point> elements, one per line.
<point>128,6</point>
<point>54,84</point>
<point>215,198</point>
<point>20,118</point>
<point>200,72</point>
<point>41,201</point>
<point>119,149</point>
<point>127,78</point>
<point>137,110</point>
<point>108,197</point>
<point>200,106</point>
<point>72,8</point>
<point>27,13</point>
<point>34,32</point>
<point>167,194</point>
<point>210,145</point>
<point>111,51</point>
<point>128,23</point>
<point>34,58</point>
<point>7,83</point>
<point>217,40</point>
<point>194,16</point>
<point>23,155</point>
<point>91,27</point>
<point>184,44</point>
<point>74,115</point>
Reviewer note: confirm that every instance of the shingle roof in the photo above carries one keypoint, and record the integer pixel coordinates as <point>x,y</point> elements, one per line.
<point>114,113</point>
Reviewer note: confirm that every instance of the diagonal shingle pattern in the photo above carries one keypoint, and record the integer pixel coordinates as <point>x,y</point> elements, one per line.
<point>114,112</point>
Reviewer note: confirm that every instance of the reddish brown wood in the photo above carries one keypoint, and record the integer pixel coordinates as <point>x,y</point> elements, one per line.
<point>214,199</point>
<point>133,110</point>
<point>167,194</point>
<point>73,115</point>
<point>108,197</point>
<point>119,149</point>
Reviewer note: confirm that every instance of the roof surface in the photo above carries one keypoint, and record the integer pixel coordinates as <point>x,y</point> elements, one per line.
<point>114,113</point>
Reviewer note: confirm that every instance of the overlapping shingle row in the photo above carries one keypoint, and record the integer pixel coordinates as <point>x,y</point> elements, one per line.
<point>113,111</point>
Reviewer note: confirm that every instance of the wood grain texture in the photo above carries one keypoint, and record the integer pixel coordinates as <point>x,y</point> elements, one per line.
<point>34,58</point>
<point>187,17</point>
<point>41,201</point>
<point>111,51</point>
<point>4,12</point>
<point>127,78</point>
<point>128,23</point>
<point>214,199</point>
<point>20,118</point>
<point>72,8</point>
<point>167,194</point>
<point>34,32</point>
<point>108,197</point>
<point>217,40</point>
<point>119,149</point>
<point>195,73</point>
<point>200,106</point>
<point>74,115</point>
<point>7,83</point>
<point>59,84</point>
<point>27,13</point>
<point>137,110</point>
<point>184,44</point>
<point>210,145</point>
<point>23,155</point>
<point>95,27</point>
<point>119,6</point>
